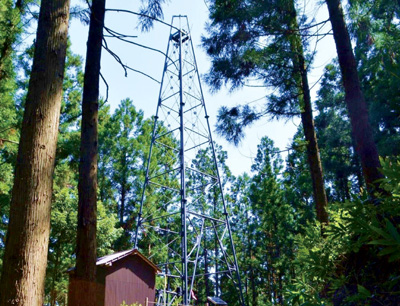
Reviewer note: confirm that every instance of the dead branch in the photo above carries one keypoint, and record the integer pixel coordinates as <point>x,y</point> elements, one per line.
<point>143,15</point>
<point>124,66</point>
<point>2,140</point>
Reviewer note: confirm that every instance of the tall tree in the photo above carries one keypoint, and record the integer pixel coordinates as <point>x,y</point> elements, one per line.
<point>342,166</point>
<point>255,39</point>
<point>354,97</point>
<point>25,256</point>
<point>275,220</point>
<point>122,147</point>
<point>313,155</point>
<point>85,274</point>
<point>84,282</point>
<point>375,28</point>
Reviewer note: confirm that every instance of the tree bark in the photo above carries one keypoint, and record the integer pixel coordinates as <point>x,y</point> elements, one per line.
<point>25,258</point>
<point>55,276</point>
<point>124,185</point>
<point>307,120</point>
<point>122,208</point>
<point>206,278</point>
<point>251,268</point>
<point>355,101</point>
<point>84,280</point>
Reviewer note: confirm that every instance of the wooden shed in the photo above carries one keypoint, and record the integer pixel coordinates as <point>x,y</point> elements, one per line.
<point>124,276</point>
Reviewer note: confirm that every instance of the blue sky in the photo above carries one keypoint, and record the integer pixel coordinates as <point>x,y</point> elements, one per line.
<point>144,91</point>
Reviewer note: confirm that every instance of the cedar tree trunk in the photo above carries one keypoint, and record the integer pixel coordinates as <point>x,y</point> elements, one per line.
<point>313,157</point>
<point>206,278</point>
<point>84,278</point>
<point>124,187</point>
<point>251,268</point>
<point>122,208</point>
<point>25,258</point>
<point>356,105</point>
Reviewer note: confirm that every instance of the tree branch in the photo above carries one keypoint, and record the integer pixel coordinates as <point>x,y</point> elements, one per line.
<point>142,15</point>
<point>7,140</point>
<point>119,36</point>
<point>124,66</point>
<point>107,87</point>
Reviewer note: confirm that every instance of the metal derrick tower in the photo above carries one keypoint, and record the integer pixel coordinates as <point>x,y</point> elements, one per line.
<point>183,222</point>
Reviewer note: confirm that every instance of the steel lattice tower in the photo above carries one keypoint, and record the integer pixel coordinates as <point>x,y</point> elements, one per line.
<point>188,227</point>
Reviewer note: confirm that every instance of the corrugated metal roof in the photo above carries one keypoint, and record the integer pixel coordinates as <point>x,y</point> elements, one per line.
<point>216,300</point>
<point>113,257</point>
<point>109,259</point>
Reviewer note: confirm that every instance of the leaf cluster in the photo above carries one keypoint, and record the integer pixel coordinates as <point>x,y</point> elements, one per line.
<point>361,238</point>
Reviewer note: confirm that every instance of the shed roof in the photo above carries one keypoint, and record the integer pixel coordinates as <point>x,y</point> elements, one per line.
<point>109,259</point>
<point>216,301</point>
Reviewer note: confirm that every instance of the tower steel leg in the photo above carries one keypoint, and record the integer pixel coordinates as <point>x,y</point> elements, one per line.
<point>176,212</point>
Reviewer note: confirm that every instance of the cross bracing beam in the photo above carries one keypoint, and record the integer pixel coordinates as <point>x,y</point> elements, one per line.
<point>186,227</point>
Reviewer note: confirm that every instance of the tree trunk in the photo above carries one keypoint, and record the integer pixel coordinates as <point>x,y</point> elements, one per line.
<point>122,207</point>
<point>253,284</point>
<point>313,157</point>
<point>124,184</point>
<point>217,282</point>
<point>269,285</point>
<point>206,281</point>
<point>251,268</point>
<point>84,283</point>
<point>356,105</point>
<point>281,302</point>
<point>55,276</point>
<point>25,257</point>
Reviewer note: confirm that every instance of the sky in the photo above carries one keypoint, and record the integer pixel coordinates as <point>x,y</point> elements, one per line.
<point>144,91</point>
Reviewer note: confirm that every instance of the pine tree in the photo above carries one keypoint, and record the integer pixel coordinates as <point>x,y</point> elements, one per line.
<point>374,26</point>
<point>355,101</point>
<point>255,40</point>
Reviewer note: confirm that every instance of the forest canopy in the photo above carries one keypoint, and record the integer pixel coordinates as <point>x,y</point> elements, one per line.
<point>314,224</point>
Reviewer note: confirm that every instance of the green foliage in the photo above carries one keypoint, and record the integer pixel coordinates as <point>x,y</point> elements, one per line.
<point>375,27</point>
<point>265,221</point>
<point>150,11</point>
<point>9,134</point>
<point>361,239</point>
<point>285,258</point>
<point>63,232</point>
<point>296,175</point>
<point>121,156</point>
<point>258,41</point>
<point>341,165</point>
<point>134,304</point>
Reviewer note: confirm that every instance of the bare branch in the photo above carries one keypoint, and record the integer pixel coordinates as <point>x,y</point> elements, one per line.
<point>314,25</point>
<point>115,56</point>
<point>124,66</point>
<point>119,36</point>
<point>143,15</point>
<point>7,140</point>
<point>141,72</point>
<point>293,148</point>
<point>107,87</point>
